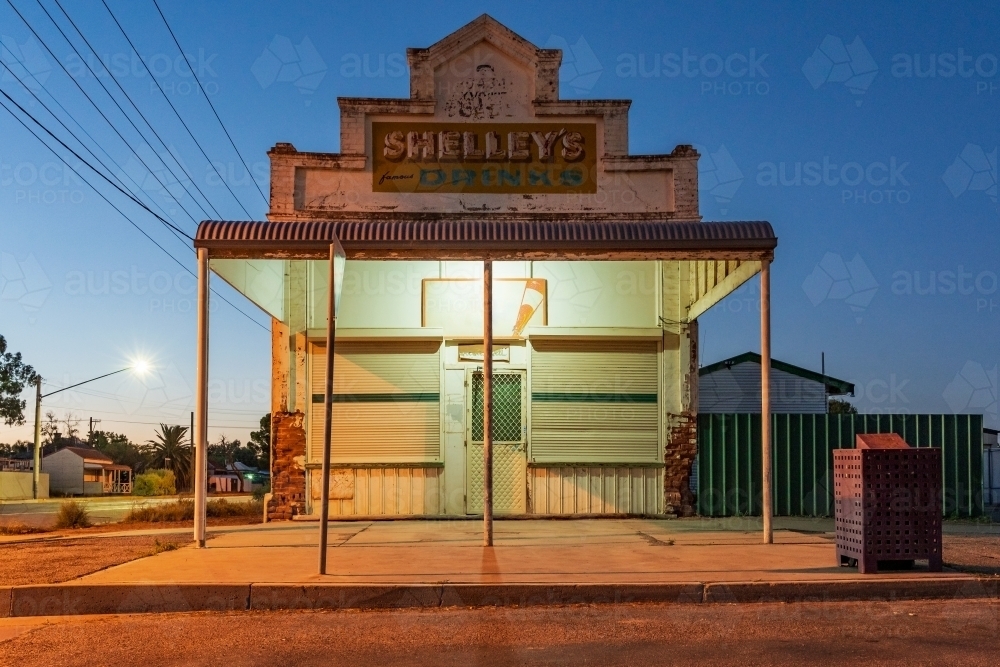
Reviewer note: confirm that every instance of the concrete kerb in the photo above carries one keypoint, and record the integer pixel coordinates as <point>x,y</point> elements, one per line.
<point>851,590</point>
<point>71,599</point>
<point>74,599</point>
<point>338,596</point>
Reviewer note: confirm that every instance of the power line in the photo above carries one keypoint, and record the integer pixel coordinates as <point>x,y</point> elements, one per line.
<point>69,411</point>
<point>107,92</point>
<point>207,99</point>
<point>108,396</point>
<point>176,113</point>
<point>110,203</point>
<point>95,170</point>
<point>82,144</point>
<point>124,92</point>
<point>123,421</point>
<point>106,119</point>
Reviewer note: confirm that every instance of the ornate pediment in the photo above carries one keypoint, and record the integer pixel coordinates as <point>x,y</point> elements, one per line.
<point>484,71</point>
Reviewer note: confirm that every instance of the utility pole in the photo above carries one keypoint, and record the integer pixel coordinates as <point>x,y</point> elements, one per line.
<point>36,476</point>
<point>194,454</point>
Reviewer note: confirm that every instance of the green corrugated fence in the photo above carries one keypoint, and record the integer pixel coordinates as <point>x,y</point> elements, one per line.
<point>729,459</point>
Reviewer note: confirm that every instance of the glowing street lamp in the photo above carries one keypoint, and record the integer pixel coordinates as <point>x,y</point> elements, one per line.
<point>140,366</point>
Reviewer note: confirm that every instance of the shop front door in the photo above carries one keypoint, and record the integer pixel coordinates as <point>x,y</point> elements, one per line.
<point>509,442</point>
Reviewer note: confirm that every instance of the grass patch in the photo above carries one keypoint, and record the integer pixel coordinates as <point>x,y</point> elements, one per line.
<point>183,510</point>
<point>221,509</point>
<point>73,515</point>
<point>20,529</point>
<point>160,547</point>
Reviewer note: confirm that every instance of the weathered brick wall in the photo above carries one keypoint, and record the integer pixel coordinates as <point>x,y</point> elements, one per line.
<point>682,430</point>
<point>288,473</point>
<point>686,182</point>
<point>682,447</point>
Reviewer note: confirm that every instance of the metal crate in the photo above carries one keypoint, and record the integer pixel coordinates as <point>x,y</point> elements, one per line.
<point>887,498</point>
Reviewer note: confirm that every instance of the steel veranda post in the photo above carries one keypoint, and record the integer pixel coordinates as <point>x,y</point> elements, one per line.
<point>488,403</point>
<point>201,402</point>
<point>765,399</point>
<point>331,333</point>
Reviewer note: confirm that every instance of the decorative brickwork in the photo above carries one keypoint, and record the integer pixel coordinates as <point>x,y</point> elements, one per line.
<point>682,447</point>
<point>288,474</point>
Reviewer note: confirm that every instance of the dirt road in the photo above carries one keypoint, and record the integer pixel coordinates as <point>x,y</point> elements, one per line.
<point>901,633</point>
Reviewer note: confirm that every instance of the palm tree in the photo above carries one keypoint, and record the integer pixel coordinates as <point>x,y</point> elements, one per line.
<point>171,451</point>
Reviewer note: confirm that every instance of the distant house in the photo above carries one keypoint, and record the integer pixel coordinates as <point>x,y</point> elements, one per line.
<point>733,385</point>
<point>236,478</point>
<point>84,471</point>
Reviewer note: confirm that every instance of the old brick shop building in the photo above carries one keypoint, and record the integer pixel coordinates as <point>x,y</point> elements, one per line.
<point>601,265</point>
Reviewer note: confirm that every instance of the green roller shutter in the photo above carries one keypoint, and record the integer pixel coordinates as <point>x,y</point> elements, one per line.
<point>386,402</point>
<point>594,402</point>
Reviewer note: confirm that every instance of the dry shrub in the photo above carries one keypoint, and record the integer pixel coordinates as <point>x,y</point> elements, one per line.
<point>20,529</point>
<point>183,510</point>
<point>73,515</point>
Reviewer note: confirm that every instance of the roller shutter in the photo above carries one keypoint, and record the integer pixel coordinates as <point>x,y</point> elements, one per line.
<point>386,402</point>
<point>594,402</point>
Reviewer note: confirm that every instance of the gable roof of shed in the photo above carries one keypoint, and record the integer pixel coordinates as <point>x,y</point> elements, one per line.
<point>833,385</point>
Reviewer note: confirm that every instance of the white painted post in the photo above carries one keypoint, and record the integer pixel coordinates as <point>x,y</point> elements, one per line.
<point>201,403</point>
<point>765,398</point>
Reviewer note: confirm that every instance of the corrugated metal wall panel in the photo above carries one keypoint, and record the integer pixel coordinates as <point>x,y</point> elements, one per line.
<point>595,490</point>
<point>384,491</point>
<point>729,459</point>
<point>387,402</point>
<point>737,389</point>
<point>594,402</point>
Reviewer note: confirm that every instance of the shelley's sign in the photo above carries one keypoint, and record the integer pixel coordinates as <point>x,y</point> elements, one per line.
<point>507,158</point>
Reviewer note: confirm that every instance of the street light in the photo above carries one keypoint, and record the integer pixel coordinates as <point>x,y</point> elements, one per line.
<point>139,366</point>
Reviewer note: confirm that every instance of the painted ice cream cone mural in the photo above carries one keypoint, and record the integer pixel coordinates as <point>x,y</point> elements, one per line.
<point>531,301</point>
<point>456,305</point>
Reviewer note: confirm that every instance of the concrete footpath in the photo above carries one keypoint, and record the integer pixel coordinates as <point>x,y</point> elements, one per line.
<point>401,564</point>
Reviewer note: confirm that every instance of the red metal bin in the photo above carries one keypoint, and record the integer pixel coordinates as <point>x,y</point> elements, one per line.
<point>887,503</point>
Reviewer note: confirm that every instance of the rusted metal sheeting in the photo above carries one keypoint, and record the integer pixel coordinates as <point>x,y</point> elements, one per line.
<point>483,239</point>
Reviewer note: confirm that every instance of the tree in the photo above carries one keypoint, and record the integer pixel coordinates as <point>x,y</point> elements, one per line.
<point>260,443</point>
<point>841,407</point>
<point>170,451</point>
<point>50,428</point>
<point>71,428</point>
<point>58,433</point>
<point>227,453</point>
<point>121,450</point>
<point>15,375</point>
<point>20,447</point>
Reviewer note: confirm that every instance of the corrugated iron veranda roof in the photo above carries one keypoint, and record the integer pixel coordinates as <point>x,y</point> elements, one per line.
<point>451,239</point>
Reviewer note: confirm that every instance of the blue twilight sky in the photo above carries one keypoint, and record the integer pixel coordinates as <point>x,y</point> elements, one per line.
<point>865,132</point>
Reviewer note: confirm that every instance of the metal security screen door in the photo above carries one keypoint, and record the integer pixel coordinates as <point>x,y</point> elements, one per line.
<point>509,447</point>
